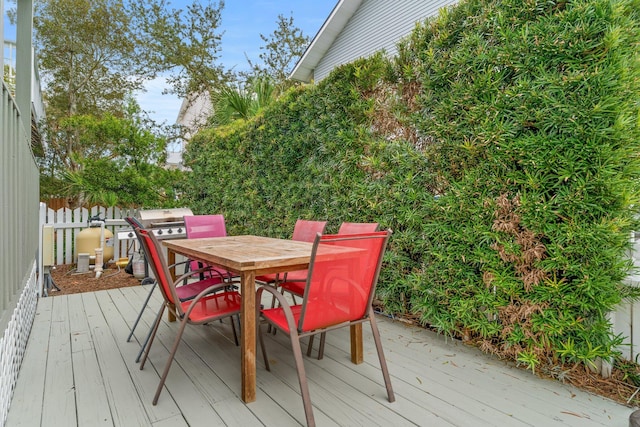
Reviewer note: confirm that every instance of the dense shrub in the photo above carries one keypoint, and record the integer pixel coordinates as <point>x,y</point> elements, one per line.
<point>500,146</point>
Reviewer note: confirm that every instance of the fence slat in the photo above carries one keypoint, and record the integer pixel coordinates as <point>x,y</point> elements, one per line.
<point>67,223</point>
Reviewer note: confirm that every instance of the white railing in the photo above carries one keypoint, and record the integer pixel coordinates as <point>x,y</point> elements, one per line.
<point>37,102</point>
<point>19,243</point>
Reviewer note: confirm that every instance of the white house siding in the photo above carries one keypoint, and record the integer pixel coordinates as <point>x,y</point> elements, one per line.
<point>193,115</point>
<point>376,25</point>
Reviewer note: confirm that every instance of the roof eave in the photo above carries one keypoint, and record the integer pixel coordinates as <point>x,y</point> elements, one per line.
<point>321,43</point>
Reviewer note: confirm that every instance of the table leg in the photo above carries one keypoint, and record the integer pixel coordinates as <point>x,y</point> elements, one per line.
<point>357,351</point>
<point>248,335</point>
<point>171,260</point>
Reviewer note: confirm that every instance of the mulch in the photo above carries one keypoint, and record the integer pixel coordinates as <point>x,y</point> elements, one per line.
<point>69,281</point>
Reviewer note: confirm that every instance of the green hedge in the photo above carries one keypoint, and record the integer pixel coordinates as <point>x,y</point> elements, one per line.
<point>501,147</point>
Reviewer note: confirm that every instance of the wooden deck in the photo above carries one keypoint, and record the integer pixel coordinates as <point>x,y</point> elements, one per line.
<point>80,371</point>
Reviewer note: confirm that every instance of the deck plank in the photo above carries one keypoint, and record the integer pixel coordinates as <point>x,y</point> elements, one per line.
<point>59,406</point>
<point>28,395</point>
<point>92,406</point>
<point>81,371</point>
<point>118,308</point>
<point>123,398</point>
<point>459,370</point>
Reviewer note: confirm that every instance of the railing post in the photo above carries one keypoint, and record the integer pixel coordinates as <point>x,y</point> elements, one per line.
<point>2,39</point>
<point>41,222</point>
<point>24,61</point>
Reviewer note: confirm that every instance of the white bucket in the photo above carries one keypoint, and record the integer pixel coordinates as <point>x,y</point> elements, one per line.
<point>137,263</point>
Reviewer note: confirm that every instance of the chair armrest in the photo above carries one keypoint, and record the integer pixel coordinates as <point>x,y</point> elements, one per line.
<point>187,275</point>
<point>175,264</point>
<point>284,304</point>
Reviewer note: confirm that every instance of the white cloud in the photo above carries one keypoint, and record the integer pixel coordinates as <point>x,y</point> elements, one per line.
<point>162,108</point>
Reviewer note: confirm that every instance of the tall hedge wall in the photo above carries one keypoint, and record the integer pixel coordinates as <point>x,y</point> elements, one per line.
<point>501,147</point>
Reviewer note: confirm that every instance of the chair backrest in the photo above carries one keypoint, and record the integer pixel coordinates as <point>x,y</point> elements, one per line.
<point>306,231</point>
<point>137,226</point>
<point>357,227</point>
<point>158,265</point>
<point>197,226</point>
<point>340,287</point>
<point>134,222</point>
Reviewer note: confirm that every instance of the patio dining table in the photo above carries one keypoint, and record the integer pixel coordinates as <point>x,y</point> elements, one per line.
<point>249,256</point>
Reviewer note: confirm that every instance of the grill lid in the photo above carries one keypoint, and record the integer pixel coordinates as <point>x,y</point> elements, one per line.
<point>163,217</point>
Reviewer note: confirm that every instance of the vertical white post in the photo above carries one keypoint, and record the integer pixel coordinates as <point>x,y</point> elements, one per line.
<point>24,62</point>
<point>2,38</point>
<point>41,222</point>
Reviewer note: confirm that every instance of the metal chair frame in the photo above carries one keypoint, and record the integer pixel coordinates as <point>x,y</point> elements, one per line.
<point>186,292</point>
<point>296,328</point>
<point>213,303</point>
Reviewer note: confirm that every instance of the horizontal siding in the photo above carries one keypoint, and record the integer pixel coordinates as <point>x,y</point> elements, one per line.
<point>376,25</point>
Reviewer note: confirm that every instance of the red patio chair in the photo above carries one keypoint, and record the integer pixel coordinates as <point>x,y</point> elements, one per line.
<point>303,231</point>
<point>185,292</point>
<point>339,293</point>
<point>294,282</point>
<point>357,227</point>
<point>198,226</point>
<point>213,303</point>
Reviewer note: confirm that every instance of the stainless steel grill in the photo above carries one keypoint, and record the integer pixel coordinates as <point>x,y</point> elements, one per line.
<point>164,223</point>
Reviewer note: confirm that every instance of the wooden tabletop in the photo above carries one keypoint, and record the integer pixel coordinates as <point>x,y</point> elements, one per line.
<point>242,253</point>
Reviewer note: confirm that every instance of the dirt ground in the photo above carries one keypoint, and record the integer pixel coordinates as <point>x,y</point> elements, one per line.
<point>615,388</point>
<point>69,281</point>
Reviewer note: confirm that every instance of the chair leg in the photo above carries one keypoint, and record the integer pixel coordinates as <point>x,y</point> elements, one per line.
<point>172,355</point>
<point>383,361</point>
<point>323,337</point>
<point>149,343</point>
<point>272,329</point>
<point>233,327</point>
<point>263,348</point>
<point>302,378</point>
<point>144,305</point>
<point>310,345</point>
<point>146,340</point>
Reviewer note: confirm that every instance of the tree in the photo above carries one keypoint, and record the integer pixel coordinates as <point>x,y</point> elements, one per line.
<point>265,81</point>
<point>119,162</point>
<point>93,55</point>
<point>87,56</point>
<point>185,45</point>
<point>283,47</point>
<point>233,102</point>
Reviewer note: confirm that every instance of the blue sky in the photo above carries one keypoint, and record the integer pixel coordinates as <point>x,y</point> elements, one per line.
<point>242,23</point>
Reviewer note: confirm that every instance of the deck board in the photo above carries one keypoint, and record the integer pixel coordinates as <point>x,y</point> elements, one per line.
<point>91,397</point>
<point>79,370</point>
<point>59,406</point>
<point>28,395</point>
